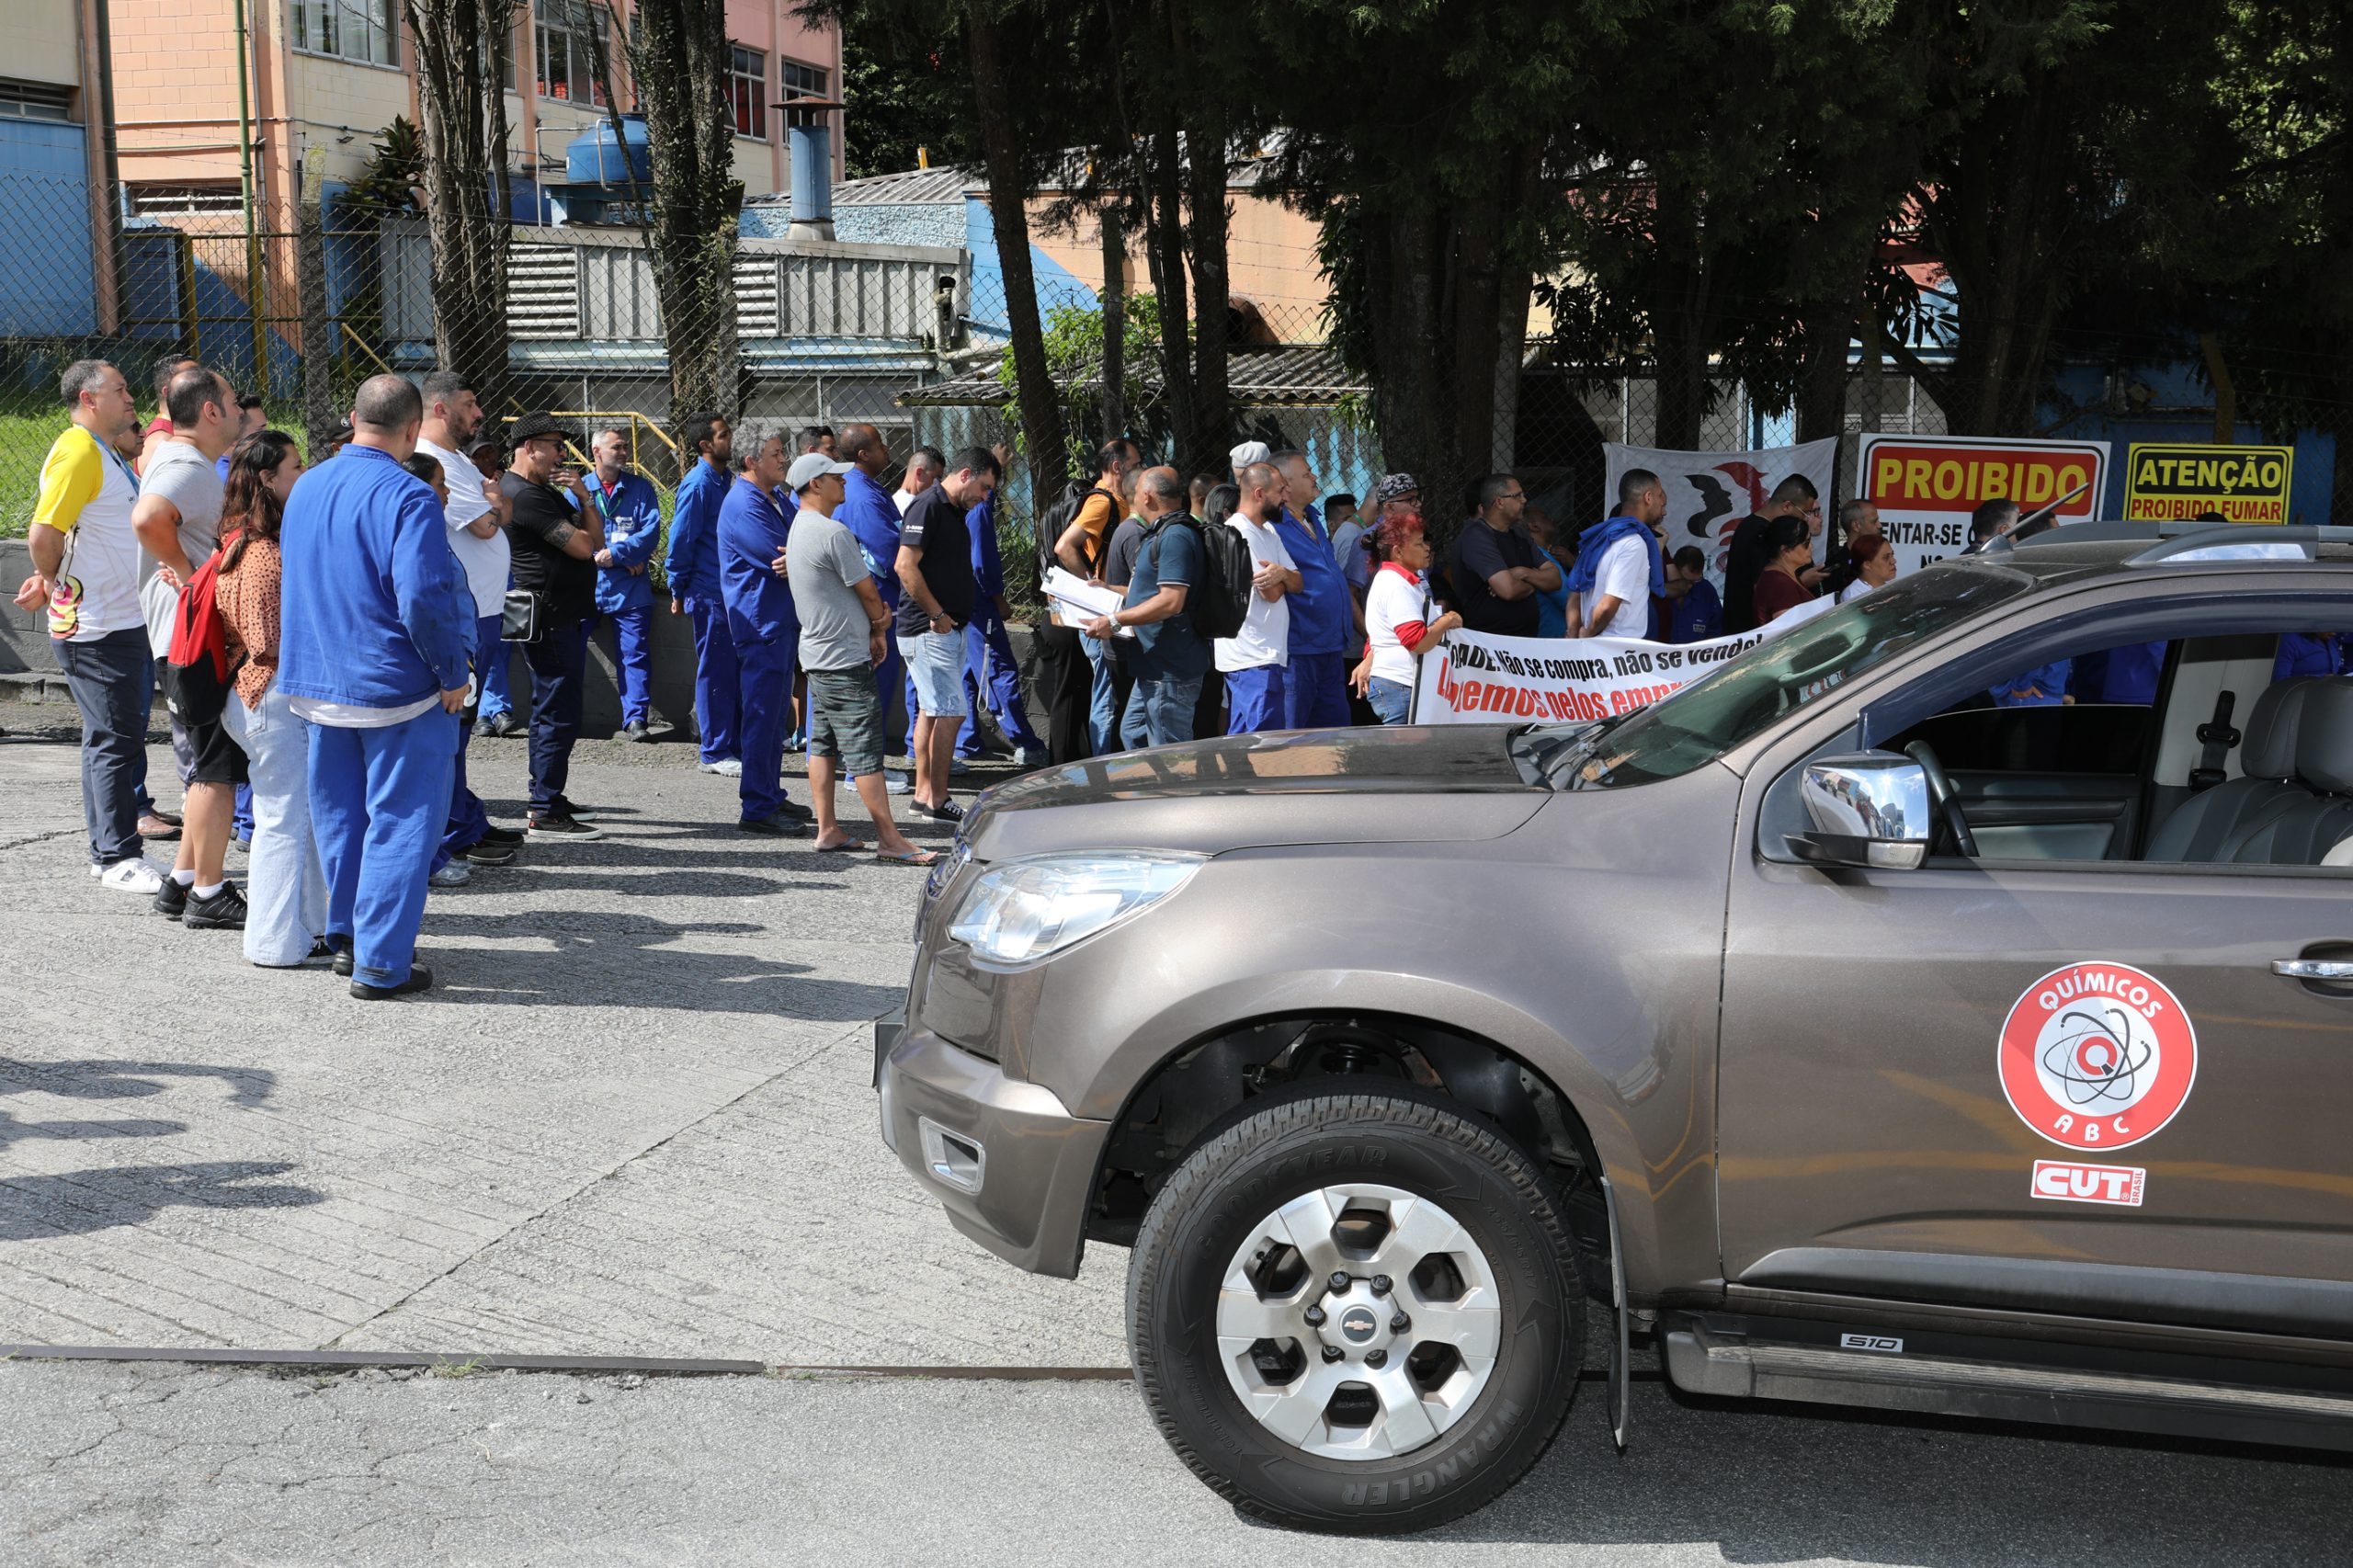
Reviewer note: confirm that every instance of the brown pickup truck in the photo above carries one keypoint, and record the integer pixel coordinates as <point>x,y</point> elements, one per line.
<point>1865,1023</point>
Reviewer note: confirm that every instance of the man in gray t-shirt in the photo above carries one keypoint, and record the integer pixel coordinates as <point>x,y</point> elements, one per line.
<point>841,621</point>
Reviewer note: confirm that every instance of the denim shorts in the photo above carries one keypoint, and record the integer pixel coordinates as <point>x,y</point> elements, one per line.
<point>936,665</point>
<point>845,719</point>
<point>1391,699</point>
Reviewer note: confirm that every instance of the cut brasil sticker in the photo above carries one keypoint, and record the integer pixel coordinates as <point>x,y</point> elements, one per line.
<point>2072,1183</point>
<point>2098,1056</point>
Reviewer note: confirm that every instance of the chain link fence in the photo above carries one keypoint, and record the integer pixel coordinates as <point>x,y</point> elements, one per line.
<point>898,322</point>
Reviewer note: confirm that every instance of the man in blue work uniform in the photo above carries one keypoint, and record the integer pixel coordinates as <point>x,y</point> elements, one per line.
<point>628,514</point>
<point>378,638</point>
<point>867,511</point>
<point>693,568</point>
<point>991,677</point>
<point>760,616</point>
<point>1316,690</point>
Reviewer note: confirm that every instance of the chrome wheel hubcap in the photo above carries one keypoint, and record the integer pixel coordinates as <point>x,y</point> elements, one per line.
<point>1359,1322</point>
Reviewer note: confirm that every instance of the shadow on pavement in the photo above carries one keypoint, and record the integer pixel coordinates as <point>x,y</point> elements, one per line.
<point>81,1201</point>
<point>634,965</point>
<point>102,1080</point>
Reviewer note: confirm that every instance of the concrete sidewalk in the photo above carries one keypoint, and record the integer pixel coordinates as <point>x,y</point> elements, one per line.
<point>631,1118</point>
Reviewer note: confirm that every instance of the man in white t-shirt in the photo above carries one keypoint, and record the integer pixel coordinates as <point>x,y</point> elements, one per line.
<point>1253,661</point>
<point>924,465</point>
<point>86,573</point>
<point>1611,596</point>
<point>452,415</point>
<point>178,519</point>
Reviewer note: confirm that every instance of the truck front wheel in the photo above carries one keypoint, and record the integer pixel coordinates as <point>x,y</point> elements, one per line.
<point>1356,1312</point>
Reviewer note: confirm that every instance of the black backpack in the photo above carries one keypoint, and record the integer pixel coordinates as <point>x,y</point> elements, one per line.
<point>1216,604</point>
<point>1055,521</point>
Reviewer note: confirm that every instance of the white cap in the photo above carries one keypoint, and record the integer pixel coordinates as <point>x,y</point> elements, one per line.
<point>808,466</point>
<point>1250,453</point>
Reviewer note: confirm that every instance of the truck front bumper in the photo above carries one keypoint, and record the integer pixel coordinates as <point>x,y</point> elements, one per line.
<point>1008,1162</point>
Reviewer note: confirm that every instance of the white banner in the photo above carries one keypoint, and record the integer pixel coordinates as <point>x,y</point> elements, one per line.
<point>1475,678</point>
<point>1709,493</point>
<point>1926,486</point>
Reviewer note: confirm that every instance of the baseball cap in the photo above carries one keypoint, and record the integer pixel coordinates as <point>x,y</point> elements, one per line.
<point>809,466</point>
<point>1250,453</point>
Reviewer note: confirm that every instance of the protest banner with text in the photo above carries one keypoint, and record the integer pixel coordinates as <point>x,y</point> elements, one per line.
<point>1475,678</point>
<point>1709,493</point>
<point>1926,486</point>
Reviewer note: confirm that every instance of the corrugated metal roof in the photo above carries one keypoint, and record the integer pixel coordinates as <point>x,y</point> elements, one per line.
<point>910,187</point>
<point>1306,374</point>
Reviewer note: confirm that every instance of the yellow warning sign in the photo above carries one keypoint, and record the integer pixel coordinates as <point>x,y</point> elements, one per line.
<point>2245,484</point>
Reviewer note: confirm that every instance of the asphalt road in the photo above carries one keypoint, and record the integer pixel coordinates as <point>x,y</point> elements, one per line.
<point>133,1466</point>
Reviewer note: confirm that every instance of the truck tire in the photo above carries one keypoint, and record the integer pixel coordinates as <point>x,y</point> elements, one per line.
<point>1356,1312</point>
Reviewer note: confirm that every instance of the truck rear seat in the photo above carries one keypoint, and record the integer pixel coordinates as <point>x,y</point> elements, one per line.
<point>2212,824</point>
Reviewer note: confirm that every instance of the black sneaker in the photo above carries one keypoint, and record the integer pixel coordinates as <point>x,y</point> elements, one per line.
<point>946,810</point>
<point>419,979</point>
<point>224,911</point>
<point>796,810</point>
<point>637,731</point>
<point>507,724</point>
<point>341,947</point>
<point>172,901</point>
<point>507,836</point>
<point>565,826</point>
<point>776,825</point>
<point>488,854</point>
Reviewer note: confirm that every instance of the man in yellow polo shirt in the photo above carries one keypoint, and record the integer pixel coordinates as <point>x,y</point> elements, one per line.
<point>85,570</point>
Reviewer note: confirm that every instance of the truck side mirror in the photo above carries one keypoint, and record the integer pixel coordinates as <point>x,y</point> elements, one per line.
<point>1869,809</point>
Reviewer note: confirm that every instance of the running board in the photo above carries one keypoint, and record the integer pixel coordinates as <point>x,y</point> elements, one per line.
<point>1943,1374</point>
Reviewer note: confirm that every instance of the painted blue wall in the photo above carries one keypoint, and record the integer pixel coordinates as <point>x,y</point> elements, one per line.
<point>48,285</point>
<point>1056,286</point>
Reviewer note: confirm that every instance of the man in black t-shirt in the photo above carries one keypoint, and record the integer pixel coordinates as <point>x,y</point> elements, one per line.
<point>1750,552</point>
<point>554,556</point>
<point>939,590</point>
<point>1497,573</point>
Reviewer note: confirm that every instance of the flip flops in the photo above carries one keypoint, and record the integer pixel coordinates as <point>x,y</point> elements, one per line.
<point>847,846</point>
<point>921,857</point>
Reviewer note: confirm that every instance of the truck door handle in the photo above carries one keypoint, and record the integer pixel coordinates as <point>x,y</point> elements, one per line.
<point>2313,969</point>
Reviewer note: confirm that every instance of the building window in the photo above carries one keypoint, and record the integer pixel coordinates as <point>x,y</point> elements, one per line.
<point>805,81</point>
<point>185,201</point>
<point>34,100</point>
<point>569,36</point>
<point>747,86</point>
<point>356,29</point>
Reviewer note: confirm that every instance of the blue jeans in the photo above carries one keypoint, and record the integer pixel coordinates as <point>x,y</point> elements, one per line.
<point>378,800</point>
<point>113,681</point>
<point>468,820</point>
<point>1102,698</point>
<point>634,649</point>
<point>492,660</point>
<point>1254,700</point>
<point>1160,711</point>
<point>1315,692</point>
<point>992,680</point>
<point>718,678</point>
<point>286,886</point>
<point>1390,698</point>
<point>241,820</point>
<point>559,662</point>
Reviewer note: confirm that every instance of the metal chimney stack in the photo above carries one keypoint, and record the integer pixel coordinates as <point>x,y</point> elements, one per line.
<point>810,136</point>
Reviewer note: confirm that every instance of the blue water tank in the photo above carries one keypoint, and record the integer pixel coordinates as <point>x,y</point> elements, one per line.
<point>593,159</point>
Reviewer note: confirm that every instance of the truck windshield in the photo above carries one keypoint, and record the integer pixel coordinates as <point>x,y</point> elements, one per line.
<point>1765,684</point>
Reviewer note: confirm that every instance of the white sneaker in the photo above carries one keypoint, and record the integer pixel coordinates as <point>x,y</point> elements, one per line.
<point>897,783</point>
<point>139,875</point>
<point>727,766</point>
<point>456,874</point>
<point>1030,757</point>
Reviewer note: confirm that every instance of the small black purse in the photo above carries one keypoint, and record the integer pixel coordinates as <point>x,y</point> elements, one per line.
<point>518,615</point>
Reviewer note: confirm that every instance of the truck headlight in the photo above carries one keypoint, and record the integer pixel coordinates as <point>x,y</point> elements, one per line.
<point>1027,910</point>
